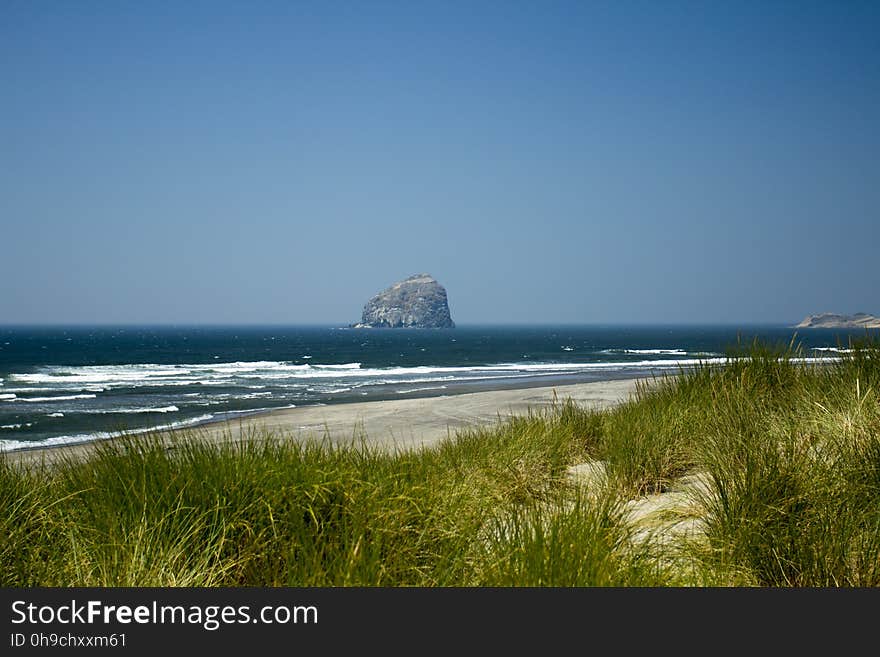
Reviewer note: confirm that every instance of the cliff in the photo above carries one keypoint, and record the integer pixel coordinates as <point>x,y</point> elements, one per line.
<point>832,320</point>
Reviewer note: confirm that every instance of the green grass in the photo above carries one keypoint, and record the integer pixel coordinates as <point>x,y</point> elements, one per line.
<point>790,453</point>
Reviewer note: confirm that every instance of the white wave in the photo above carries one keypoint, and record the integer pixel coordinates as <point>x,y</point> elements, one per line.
<point>101,374</point>
<point>404,392</point>
<point>55,415</point>
<point>41,389</point>
<point>191,374</point>
<point>11,445</point>
<point>253,411</point>
<point>425,379</point>
<point>567,348</point>
<point>56,398</point>
<point>560,368</point>
<point>7,397</point>
<point>655,352</point>
<point>16,426</point>
<point>145,409</point>
<point>833,349</point>
<point>155,374</point>
<point>248,366</point>
<point>255,374</point>
<point>167,383</point>
<point>328,390</point>
<point>504,368</point>
<point>428,373</point>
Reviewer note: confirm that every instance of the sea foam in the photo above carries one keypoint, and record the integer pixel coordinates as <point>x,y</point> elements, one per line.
<point>161,409</point>
<point>55,398</point>
<point>55,441</point>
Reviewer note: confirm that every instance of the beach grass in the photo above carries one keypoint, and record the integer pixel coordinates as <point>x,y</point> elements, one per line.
<point>786,454</point>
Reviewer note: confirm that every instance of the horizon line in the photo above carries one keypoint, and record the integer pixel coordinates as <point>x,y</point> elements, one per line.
<point>334,325</point>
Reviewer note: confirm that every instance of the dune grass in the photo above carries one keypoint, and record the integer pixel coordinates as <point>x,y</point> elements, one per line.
<point>789,453</point>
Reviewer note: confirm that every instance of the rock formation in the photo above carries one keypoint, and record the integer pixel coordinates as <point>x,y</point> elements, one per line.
<point>417,302</point>
<point>832,320</point>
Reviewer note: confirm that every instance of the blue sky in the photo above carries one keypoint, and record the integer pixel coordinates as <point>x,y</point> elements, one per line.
<point>280,162</point>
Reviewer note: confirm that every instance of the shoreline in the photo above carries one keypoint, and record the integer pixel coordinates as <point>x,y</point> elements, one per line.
<point>388,423</point>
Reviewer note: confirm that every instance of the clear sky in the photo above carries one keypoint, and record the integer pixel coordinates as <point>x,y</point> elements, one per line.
<point>280,162</point>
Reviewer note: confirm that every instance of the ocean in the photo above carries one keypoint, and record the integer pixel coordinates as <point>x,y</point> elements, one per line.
<point>65,385</point>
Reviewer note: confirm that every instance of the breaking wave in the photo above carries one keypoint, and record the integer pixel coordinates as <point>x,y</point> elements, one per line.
<point>55,398</point>
<point>56,441</point>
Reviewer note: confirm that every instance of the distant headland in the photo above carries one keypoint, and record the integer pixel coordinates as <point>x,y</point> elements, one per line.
<point>833,320</point>
<point>416,302</point>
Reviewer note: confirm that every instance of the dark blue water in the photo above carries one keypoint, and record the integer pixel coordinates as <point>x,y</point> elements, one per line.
<point>62,385</point>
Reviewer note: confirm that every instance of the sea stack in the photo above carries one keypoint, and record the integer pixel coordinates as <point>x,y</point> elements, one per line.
<point>417,302</point>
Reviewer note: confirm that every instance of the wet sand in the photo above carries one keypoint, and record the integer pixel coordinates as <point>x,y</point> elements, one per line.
<point>391,424</point>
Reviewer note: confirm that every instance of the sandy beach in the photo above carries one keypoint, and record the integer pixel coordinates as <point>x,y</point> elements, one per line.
<point>391,424</point>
